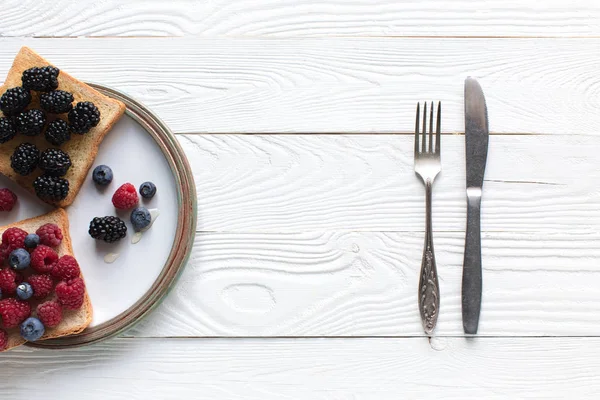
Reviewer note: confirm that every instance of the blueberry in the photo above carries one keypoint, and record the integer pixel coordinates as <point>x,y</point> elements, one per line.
<point>32,329</point>
<point>24,291</point>
<point>19,259</point>
<point>147,190</point>
<point>32,240</point>
<point>140,218</point>
<point>102,175</point>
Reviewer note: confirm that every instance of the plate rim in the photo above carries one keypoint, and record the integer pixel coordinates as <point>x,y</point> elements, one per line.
<point>184,235</point>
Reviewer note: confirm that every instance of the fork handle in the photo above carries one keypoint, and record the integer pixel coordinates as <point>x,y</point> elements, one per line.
<point>471,279</point>
<point>429,292</point>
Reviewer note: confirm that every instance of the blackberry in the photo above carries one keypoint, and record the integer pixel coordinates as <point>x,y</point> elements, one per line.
<point>55,162</point>
<point>42,79</point>
<point>14,100</point>
<point>51,188</point>
<point>31,122</point>
<point>25,158</point>
<point>8,130</point>
<point>83,117</point>
<point>57,132</point>
<point>57,101</point>
<point>110,229</point>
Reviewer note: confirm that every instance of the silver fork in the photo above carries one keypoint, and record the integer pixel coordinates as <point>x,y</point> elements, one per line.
<point>427,167</point>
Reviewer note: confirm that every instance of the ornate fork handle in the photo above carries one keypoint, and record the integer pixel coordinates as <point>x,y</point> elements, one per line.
<point>429,292</point>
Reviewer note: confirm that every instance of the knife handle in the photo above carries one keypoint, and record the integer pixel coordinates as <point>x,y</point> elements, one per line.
<point>471,279</point>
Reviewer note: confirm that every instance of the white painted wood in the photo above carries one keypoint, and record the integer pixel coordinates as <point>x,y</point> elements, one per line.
<point>297,183</point>
<point>300,18</point>
<point>339,85</point>
<point>365,284</point>
<point>357,369</point>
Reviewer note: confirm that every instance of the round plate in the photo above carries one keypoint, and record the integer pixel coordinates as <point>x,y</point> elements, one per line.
<point>139,148</point>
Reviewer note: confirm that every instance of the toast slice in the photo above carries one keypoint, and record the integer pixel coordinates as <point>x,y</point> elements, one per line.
<point>81,148</point>
<point>74,321</point>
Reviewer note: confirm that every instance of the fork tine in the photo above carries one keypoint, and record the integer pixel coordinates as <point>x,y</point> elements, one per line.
<point>417,129</point>
<point>438,128</point>
<point>423,148</point>
<point>431,129</point>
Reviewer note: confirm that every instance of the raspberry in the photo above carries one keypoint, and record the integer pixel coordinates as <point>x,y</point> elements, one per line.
<point>7,199</point>
<point>13,312</point>
<point>71,293</point>
<point>42,285</point>
<point>50,313</point>
<point>14,238</point>
<point>4,253</point>
<point>66,268</point>
<point>43,259</point>
<point>50,235</point>
<point>9,280</point>
<point>3,340</point>
<point>125,197</point>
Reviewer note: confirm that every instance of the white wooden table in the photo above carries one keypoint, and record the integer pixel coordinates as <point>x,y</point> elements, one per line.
<point>297,118</point>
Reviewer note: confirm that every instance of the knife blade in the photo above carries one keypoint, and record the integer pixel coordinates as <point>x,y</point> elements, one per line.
<point>476,146</point>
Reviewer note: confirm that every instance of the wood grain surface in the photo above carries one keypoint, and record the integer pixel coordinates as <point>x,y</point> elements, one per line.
<point>372,369</point>
<point>298,183</point>
<point>365,284</point>
<point>333,85</point>
<point>299,18</point>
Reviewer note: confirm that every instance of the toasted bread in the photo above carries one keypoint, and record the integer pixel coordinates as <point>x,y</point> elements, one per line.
<point>81,148</point>
<point>74,321</point>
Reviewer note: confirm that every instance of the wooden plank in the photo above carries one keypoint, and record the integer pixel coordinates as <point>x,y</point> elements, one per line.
<point>452,368</point>
<point>339,85</point>
<point>298,183</point>
<point>365,284</point>
<point>300,18</point>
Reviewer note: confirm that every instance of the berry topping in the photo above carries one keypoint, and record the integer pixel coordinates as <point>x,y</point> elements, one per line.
<point>14,238</point>
<point>31,122</point>
<point>51,188</point>
<point>25,158</point>
<point>42,79</point>
<point>125,197</point>
<point>42,285</point>
<point>8,130</point>
<point>55,162</point>
<point>14,100</point>
<point>7,199</point>
<point>3,340</point>
<point>140,218</point>
<point>71,293</point>
<point>110,229</point>
<point>50,235</point>
<point>102,175</point>
<point>66,268</point>
<point>9,280</point>
<point>43,259</point>
<point>57,132</point>
<point>31,241</point>
<point>83,117</point>
<point>19,259</point>
<point>50,313</point>
<point>32,329</point>
<point>13,312</point>
<point>147,190</point>
<point>24,291</point>
<point>57,101</point>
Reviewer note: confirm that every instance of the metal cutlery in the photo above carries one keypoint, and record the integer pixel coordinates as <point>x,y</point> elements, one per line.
<point>427,167</point>
<point>476,143</point>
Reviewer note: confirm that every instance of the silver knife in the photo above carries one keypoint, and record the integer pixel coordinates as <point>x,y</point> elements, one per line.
<point>476,143</point>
